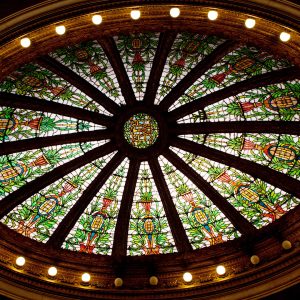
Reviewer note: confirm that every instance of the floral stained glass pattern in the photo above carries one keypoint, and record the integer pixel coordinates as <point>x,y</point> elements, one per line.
<point>141,130</point>
<point>35,81</point>
<point>88,60</point>
<point>188,49</point>
<point>149,231</point>
<point>279,152</point>
<point>137,52</point>
<point>240,64</point>
<point>260,202</point>
<point>20,168</point>
<point>39,216</point>
<point>17,124</point>
<point>270,103</point>
<point>204,223</point>
<point>94,231</point>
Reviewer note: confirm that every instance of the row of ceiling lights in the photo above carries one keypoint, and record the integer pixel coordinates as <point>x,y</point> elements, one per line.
<point>174,13</point>
<point>153,280</point>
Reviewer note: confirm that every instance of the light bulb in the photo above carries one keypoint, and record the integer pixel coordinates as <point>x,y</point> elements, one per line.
<point>60,29</point>
<point>118,282</point>
<point>135,14</point>
<point>153,280</point>
<point>187,277</point>
<point>97,19</point>
<point>174,12</point>
<point>20,261</point>
<point>221,270</point>
<point>250,23</point>
<point>85,277</point>
<point>25,42</point>
<point>286,245</point>
<point>52,271</point>
<point>284,36</point>
<point>212,15</point>
<point>254,259</point>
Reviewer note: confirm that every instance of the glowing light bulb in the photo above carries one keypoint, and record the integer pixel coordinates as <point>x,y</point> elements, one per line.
<point>212,15</point>
<point>250,23</point>
<point>118,282</point>
<point>220,270</point>
<point>174,12</point>
<point>286,245</point>
<point>284,36</point>
<point>97,19</point>
<point>85,277</point>
<point>135,14</point>
<point>187,277</point>
<point>25,42</point>
<point>52,271</point>
<point>20,261</point>
<point>153,280</point>
<point>254,259</point>
<point>60,29</point>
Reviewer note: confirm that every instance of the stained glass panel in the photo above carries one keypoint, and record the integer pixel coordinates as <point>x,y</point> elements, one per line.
<point>94,231</point>
<point>88,60</point>
<point>141,130</point>
<point>188,49</point>
<point>18,124</point>
<point>258,201</point>
<point>17,169</point>
<point>240,64</point>
<point>270,103</point>
<point>149,231</point>
<point>204,223</point>
<point>137,52</point>
<point>40,215</point>
<point>33,80</point>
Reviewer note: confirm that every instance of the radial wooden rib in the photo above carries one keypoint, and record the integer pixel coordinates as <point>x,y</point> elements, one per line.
<point>181,240</point>
<point>200,69</point>
<point>279,127</point>
<point>17,197</point>
<point>110,48</point>
<point>238,221</point>
<point>40,142</point>
<point>69,221</point>
<point>166,40</point>
<point>32,103</point>
<point>258,81</point>
<point>277,179</point>
<point>119,249</point>
<point>64,72</point>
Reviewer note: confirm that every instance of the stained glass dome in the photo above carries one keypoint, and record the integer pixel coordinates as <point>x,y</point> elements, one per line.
<point>178,149</point>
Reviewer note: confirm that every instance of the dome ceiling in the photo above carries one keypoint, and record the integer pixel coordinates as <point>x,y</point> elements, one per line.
<point>190,143</point>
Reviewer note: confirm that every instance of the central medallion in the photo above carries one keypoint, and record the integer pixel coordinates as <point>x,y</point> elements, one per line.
<point>141,131</point>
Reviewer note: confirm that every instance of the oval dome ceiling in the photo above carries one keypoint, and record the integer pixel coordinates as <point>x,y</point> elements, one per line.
<point>190,143</point>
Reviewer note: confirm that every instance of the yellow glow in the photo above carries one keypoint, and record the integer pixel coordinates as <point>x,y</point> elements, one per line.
<point>221,270</point>
<point>187,277</point>
<point>25,42</point>
<point>153,280</point>
<point>60,29</point>
<point>250,23</point>
<point>20,261</point>
<point>212,15</point>
<point>286,245</point>
<point>135,14</point>
<point>174,12</point>
<point>284,36</point>
<point>52,271</point>
<point>118,282</point>
<point>254,259</point>
<point>85,277</point>
<point>97,19</point>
